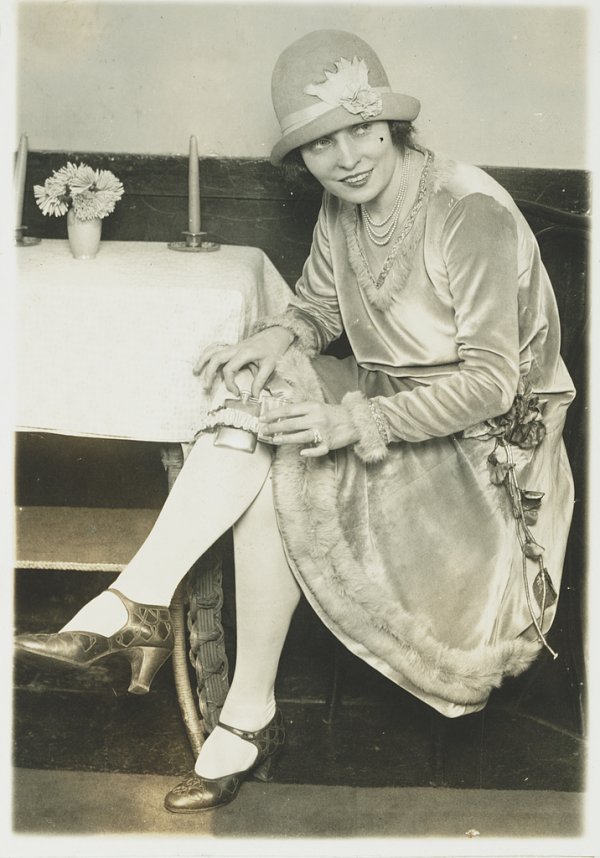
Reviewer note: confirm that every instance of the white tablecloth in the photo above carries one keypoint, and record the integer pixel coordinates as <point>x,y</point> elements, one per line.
<point>105,347</point>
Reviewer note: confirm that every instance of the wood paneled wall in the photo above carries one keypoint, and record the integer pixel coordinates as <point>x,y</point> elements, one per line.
<point>244,201</point>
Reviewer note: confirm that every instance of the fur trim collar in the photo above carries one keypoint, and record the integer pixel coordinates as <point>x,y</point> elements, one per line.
<point>439,173</point>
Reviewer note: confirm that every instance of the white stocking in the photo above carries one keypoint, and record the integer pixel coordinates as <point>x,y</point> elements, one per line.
<point>214,488</point>
<point>266,597</point>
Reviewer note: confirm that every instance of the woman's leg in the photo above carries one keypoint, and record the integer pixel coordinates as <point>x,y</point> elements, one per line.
<point>266,597</point>
<point>216,485</point>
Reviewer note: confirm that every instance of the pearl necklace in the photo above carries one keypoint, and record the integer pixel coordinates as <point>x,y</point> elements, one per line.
<point>372,227</point>
<point>405,230</point>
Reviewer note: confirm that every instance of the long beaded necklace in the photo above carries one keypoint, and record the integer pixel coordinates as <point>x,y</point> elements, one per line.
<point>406,228</point>
<point>390,223</point>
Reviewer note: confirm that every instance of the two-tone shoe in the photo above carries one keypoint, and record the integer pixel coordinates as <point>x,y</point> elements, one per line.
<point>145,640</point>
<point>196,793</point>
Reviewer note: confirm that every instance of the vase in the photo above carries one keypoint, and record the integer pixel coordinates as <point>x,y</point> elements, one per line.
<point>84,236</point>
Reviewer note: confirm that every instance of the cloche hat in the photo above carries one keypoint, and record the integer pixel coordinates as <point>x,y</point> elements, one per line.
<point>328,80</point>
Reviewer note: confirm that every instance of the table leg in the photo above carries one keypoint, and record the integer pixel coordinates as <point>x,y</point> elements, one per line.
<point>172,458</point>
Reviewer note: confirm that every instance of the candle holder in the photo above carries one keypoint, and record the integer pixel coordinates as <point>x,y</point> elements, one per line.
<point>194,244</point>
<point>24,240</point>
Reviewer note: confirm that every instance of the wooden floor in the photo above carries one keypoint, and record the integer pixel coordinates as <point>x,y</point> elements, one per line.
<point>77,803</point>
<point>381,736</point>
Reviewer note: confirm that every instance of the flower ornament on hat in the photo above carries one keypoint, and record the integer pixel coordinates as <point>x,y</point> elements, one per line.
<point>349,87</point>
<point>328,80</point>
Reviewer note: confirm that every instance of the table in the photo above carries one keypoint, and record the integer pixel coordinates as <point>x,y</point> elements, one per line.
<point>105,348</point>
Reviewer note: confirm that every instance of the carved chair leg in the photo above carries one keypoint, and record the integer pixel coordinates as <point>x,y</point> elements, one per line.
<point>187,702</point>
<point>203,591</point>
<point>207,639</point>
<point>202,594</point>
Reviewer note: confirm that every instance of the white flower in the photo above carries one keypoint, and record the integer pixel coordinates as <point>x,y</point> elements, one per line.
<point>105,181</point>
<point>85,206</point>
<point>90,193</point>
<point>51,197</point>
<point>82,179</point>
<point>348,86</point>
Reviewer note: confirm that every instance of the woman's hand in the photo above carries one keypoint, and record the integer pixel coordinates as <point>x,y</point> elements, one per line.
<point>308,423</point>
<point>259,353</point>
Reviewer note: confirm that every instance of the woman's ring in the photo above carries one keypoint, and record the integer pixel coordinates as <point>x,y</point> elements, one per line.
<point>317,438</point>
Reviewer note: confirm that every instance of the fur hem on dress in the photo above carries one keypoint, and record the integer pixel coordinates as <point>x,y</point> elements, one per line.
<point>370,447</point>
<point>348,599</point>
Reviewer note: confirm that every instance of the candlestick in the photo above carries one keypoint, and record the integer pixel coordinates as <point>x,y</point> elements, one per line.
<point>194,188</point>
<point>193,235</point>
<point>21,240</point>
<point>19,180</point>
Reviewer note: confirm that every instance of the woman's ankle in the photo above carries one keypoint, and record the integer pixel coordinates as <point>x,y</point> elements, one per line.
<point>248,715</point>
<point>143,589</point>
<point>105,614</point>
<point>224,754</point>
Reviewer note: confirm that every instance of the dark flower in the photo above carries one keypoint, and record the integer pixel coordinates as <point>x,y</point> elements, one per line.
<point>543,589</point>
<point>498,470</point>
<point>530,516</point>
<point>532,550</point>
<point>530,499</point>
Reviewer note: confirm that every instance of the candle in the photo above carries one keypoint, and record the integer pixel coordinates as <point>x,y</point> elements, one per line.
<point>194,188</point>
<point>19,180</point>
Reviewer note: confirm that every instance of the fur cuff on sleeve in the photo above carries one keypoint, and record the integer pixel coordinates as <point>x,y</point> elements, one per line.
<point>304,333</point>
<point>371,424</point>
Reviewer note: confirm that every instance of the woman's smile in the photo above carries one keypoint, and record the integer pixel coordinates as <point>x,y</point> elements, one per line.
<point>356,164</point>
<point>357,180</point>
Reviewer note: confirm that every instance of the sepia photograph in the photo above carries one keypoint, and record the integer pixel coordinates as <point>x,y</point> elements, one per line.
<point>298,453</point>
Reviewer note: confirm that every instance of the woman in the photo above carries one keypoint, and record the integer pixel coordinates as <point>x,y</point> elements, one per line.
<point>417,492</point>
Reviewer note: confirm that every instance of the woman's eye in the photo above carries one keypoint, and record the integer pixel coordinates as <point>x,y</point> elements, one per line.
<point>317,145</point>
<point>361,130</point>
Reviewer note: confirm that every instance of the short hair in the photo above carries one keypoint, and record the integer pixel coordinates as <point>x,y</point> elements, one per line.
<point>402,132</point>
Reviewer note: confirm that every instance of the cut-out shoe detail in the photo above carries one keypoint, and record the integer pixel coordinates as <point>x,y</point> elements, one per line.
<point>145,640</point>
<point>196,793</point>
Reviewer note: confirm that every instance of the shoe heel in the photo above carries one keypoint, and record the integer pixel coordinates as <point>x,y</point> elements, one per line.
<point>264,772</point>
<point>145,663</point>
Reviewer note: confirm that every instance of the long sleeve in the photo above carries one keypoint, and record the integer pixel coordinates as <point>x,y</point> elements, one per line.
<point>313,314</point>
<point>478,247</point>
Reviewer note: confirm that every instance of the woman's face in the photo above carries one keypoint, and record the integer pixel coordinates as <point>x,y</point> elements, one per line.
<point>355,164</point>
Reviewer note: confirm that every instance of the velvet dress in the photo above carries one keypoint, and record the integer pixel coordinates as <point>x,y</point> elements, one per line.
<point>433,547</point>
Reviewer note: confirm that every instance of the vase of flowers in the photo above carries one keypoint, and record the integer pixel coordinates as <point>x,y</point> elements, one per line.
<point>86,196</point>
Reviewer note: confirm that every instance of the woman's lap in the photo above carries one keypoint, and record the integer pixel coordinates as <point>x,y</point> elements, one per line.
<point>415,560</point>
